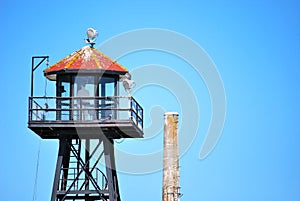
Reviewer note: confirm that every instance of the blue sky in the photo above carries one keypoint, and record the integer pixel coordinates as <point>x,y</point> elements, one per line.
<point>255,47</point>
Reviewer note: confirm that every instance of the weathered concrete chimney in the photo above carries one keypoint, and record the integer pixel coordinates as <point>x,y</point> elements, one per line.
<point>171,188</point>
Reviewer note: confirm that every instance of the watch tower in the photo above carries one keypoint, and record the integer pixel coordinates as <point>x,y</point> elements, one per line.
<point>86,115</point>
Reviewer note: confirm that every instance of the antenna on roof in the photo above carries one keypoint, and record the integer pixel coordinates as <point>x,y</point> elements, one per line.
<point>92,35</point>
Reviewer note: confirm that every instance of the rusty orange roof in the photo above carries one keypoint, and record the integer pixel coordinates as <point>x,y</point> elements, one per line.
<point>86,58</point>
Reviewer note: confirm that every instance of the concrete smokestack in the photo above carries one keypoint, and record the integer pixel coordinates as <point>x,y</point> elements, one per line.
<point>171,189</point>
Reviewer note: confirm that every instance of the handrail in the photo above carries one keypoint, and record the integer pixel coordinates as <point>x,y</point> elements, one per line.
<point>80,97</point>
<point>85,109</point>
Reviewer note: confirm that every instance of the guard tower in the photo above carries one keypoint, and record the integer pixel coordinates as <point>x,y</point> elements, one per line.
<point>86,115</point>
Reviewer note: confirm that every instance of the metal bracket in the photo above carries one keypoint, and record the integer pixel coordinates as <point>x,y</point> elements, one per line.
<point>34,67</point>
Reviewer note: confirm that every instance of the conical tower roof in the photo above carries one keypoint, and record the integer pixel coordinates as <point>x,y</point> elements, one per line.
<point>86,59</point>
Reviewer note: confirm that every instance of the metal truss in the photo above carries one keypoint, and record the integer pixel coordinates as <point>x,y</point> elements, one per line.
<point>77,175</point>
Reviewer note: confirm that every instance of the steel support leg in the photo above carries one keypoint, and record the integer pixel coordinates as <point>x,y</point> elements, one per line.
<point>61,153</point>
<point>87,163</point>
<point>111,173</point>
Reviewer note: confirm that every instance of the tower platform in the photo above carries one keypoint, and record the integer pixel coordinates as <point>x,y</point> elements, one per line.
<point>113,117</point>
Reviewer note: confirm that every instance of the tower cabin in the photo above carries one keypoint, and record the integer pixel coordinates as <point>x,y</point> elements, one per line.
<point>87,102</point>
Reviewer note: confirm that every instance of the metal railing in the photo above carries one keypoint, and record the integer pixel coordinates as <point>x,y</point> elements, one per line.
<point>85,109</point>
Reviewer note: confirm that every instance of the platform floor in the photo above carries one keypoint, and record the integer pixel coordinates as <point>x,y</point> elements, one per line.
<point>113,129</point>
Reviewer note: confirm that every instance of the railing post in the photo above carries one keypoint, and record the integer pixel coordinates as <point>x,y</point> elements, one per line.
<point>58,112</point>
<point>142,118</point>
<point>130,114</point>
<point>80,109</point>
<point>29,109</point>
<point>115,100</point>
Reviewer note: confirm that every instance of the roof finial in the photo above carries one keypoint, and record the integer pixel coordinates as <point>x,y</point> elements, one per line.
<point>92,35</point>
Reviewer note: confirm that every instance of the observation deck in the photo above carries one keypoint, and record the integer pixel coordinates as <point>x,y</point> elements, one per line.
<point>85,117</point>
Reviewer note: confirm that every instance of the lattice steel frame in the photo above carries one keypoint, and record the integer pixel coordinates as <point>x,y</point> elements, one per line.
<point>89,189</point>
